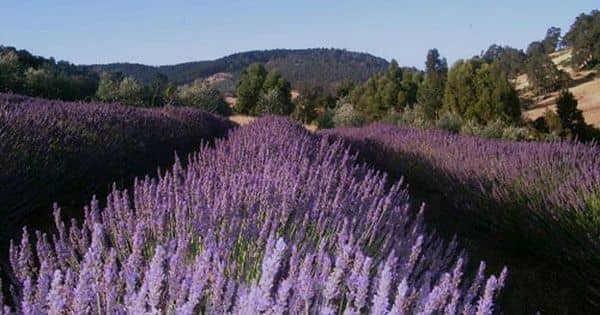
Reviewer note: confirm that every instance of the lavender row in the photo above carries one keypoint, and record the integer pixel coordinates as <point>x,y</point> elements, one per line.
<point>272,220</point>
<point>52,150</point>
<point>541,196</point>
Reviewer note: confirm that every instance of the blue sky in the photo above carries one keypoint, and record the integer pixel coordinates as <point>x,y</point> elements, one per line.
<point>167,32</point>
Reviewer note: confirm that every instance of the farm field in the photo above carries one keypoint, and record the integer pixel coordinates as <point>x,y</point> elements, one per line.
<point>475,190</point>
<point>66,152</point>
<point>303,200</point>
<point>424,161</point>
<point>299,158</point>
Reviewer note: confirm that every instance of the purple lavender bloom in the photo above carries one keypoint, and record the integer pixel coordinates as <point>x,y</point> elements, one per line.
<point>108,141</point>
<point>381,298</point>
<point>400,301</point>
<point>281,304</point>
<point>154,279</point>
<point>212,235</point>
<point>437,298</point>
<point>84,294</point>
<point>485,306</point>
<point>56,298</point>
<point>332,286</point>
<point>27,303</point>
<point>111,282</point>
<point>200,269</point>
<point>270,267</point>
<point>550,188</point>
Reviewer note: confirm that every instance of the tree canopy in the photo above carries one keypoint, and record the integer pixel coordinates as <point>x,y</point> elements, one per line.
<point>392,90</point>
<point>260,92</point>
<point>202,95</point>
<point>571,118</point>
<point>23,73</point>
<point>510,60</point>
<point>480,92</point>
<point>543,75</point>
<point>303,68</point>
<point>552,40</point>
<point>115,88</point>
<point>431,91</point>
<point>584,39</point>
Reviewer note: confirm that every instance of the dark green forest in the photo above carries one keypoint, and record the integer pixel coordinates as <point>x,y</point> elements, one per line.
<point>302,67</point>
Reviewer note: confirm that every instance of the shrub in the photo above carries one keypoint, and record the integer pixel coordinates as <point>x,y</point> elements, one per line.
<point>201,95</point>
<point>495,129</point>
<point>515,133</point>
<point>571,118</point>
<point>539,197</point>
<point>346,116</point>
<point>415,116</point>
<point>450,122</point>
<point>123,90</point>
<point>272,220</point>
<point>553,122</point>
<point>392,116</point>
<point>59,151</point>
<point>273,102</point>
<point>324,119</point>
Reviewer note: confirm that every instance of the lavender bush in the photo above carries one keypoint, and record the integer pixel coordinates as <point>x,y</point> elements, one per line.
<point>542,197</point>
<point>59,151</point>
<point>272,220</point>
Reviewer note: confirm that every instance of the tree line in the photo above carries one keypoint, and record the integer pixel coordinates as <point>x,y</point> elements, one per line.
<point>115,87</point>
<point>470,96</point>
<point>23,73</point>
<point>478,95</point>
<point>303,68</point>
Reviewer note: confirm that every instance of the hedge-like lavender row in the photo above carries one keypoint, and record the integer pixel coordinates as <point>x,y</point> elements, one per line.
<point>272,220</point>
<point>543,195</point>
<point>58,151</point>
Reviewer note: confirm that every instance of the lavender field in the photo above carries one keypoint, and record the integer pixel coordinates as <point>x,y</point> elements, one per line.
<point>535,201</point>
<point>272,220</point>
<point>63,152</point>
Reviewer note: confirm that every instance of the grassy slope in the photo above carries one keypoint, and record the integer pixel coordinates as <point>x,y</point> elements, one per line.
<point>586,88</point>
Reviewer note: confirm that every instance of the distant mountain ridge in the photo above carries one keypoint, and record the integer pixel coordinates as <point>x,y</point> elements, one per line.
<point>325,67</point>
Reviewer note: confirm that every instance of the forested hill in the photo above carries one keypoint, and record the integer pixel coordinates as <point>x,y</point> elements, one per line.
<point>302,67</point>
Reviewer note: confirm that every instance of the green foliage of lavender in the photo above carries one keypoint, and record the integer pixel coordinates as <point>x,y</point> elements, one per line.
<point>58,151</point>
<point>272,220</point>
<point>541,197</point>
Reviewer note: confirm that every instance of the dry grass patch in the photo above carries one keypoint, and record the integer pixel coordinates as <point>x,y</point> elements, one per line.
<point>586,91</point>
<point>587,95</point>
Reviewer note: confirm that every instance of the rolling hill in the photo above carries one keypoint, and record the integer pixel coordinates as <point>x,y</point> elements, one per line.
<point>585,87</point>
<point>302,67</point>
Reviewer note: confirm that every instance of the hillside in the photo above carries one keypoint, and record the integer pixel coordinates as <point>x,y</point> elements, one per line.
<point>586,88</point>
<point>302,67</point>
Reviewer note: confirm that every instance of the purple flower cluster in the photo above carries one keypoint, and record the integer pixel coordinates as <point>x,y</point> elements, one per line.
<point>60,151</point>
<point>546,195</point>
<point>272,220</point>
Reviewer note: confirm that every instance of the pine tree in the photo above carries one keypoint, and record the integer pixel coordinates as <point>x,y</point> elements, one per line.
<point>249,88</point>
<point>584,39</point>
<point>543,75</point>
<point>460,92</point>
<point>552,40</point>
<point>431,92</point>
<point>496,97</point>
<point>481,92</point>
<point>571,118</point>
